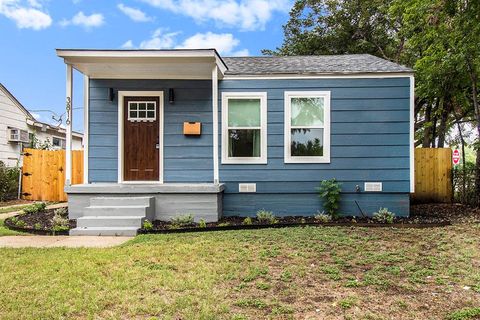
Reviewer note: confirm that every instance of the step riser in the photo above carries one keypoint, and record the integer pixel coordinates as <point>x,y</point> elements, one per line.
<point>121,201</point>
<point>117,211</point>
<point>90,232</point>
<point>109,222</point>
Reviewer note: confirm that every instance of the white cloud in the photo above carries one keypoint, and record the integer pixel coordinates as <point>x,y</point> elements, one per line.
<point>128,45</point>
<point>225,43</point>
<point>27,15</point>
<point>245,14</point>
<point>80,19</point>
<point>136,15</point>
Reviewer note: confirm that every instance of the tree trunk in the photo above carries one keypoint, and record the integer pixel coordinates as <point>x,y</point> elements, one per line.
<point>427,133</point>
<point>442,128</point>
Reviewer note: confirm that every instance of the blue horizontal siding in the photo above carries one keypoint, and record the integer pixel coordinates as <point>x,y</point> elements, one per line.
<point>192,103</point>
<point>369,142</point>
<point>309,204</point>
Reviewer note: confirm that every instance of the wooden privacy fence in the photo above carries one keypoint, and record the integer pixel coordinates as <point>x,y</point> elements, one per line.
<point>433,175</point>
<point>44,174</point>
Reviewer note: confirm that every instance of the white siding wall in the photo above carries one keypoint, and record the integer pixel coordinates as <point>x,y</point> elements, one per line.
<point>10,116</point>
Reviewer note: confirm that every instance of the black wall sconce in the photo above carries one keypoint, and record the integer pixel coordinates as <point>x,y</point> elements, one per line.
<point>111,94</point>
<point>171,96</point>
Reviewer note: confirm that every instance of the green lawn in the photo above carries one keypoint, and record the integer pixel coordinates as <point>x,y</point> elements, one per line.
<point>6,232</point>
<point>13,208</point>
<point>294,273</point>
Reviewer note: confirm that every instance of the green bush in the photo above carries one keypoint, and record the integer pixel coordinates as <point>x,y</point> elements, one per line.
<point>8,182</point>
<point>322,217</point>
<point>60,223</point>
<point>60,211</point>
<point>202,223</point>
<point>147,225</point>
<point>384,216</point>
<point>247,221</point>
<point>37,226</point>
<point>329,192</point>
<point>264,216</point>
<point>36,207</point>
<point>20,223</point>
<point>182,221</point>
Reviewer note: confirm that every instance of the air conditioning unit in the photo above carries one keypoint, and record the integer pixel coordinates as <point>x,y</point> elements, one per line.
<point>18,135</point>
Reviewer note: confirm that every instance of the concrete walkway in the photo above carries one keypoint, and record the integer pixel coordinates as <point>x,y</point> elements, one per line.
<point>61,241</point>
<point>14,213</point>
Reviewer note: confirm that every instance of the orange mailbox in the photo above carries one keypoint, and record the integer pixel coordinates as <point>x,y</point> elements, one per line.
<point>192,128</point>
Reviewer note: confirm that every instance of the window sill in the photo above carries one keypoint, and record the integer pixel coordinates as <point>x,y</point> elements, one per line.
<point>307,160</point>
<point>244,161</point>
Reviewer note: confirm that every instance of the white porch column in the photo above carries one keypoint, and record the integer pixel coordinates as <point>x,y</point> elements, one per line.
<point>215,123</point>
<point>86,93</point>
<point>68,122</point>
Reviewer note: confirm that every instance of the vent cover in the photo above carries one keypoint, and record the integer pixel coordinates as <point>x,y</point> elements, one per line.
<point>373,187</point>
<point>247,187</point>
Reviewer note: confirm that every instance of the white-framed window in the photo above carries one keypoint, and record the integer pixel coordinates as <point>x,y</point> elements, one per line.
<point>59,142</point>
<point>307,126</point>
<point>244,127</point>
<point>142,111</point>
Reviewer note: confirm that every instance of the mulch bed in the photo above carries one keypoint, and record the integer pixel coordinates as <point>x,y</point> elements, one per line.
<point>37,223</point>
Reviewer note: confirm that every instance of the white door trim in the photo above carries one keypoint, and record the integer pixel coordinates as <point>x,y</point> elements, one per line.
<point>121,96</point>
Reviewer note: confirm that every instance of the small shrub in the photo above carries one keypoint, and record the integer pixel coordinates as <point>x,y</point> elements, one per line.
<point>36,207</point>
<point>384,216</point>
<point>8,182</point>
<point>60,223</point>
<point>223,224</point>
<point>202,223</point>
<point>264,216</point>
<point>329,192</point>
<point>13,220</point>
<point>147,225</point>
<point>247,221</point>
<point>20,224</point>
<point>37,226</point>
<point>61,212</point>
<point>322,217</point>
<point>182,221</point>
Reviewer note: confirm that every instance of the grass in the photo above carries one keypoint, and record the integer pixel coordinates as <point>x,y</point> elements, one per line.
<point>293,273</point>
<point>13,209</point>
<point>7,232</point>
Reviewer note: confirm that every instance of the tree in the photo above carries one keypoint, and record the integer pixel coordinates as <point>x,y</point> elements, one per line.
<point>438,38</point>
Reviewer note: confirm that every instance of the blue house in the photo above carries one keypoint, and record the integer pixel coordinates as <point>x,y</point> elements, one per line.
<point>175,132</point>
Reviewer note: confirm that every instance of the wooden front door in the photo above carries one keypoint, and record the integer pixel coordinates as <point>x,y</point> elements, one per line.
<point>141,139</point>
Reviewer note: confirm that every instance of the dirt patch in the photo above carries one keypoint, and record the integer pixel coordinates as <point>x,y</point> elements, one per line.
<point>39,222</point>
<point>455,213</point>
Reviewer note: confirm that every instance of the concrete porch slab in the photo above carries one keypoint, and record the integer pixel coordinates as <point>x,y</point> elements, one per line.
<point>61,241</point>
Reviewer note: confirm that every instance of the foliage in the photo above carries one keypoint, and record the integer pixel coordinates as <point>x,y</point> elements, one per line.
<point>41,145</point>
<point>36,207</point>
<point>264,216</point>
<point>182,221</point>
<point>464,184</point>
<point>247,221</point>
<point>147,225</point>
<point>329,192</point>
<point>20,223</point>
<point>37,226</point>
<point>63,211</point>
<point>322,217</point>
<point>59,222</point>
<point>8,182</point>
<point>202,223</point>
<point>384,216</point>
<point>224,224</point>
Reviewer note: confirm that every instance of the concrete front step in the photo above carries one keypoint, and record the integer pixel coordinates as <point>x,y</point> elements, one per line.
<point>111,221</point>
<point>104,231</point>
<point>102,211</point>
<point>122,201</point>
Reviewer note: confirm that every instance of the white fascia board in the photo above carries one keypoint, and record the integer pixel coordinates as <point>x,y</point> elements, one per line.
<point>73,53</point>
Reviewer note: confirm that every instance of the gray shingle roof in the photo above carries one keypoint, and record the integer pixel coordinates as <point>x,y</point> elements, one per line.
<point>326,64</point>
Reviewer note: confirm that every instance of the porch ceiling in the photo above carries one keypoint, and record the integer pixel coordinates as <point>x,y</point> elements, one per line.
<point>144,64</point>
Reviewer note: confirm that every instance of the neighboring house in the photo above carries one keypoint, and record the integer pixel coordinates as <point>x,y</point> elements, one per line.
<point>271,129</point>
<point>18,126</point>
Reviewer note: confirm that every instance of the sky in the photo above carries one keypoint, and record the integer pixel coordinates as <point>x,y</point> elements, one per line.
<point>31,30</point>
